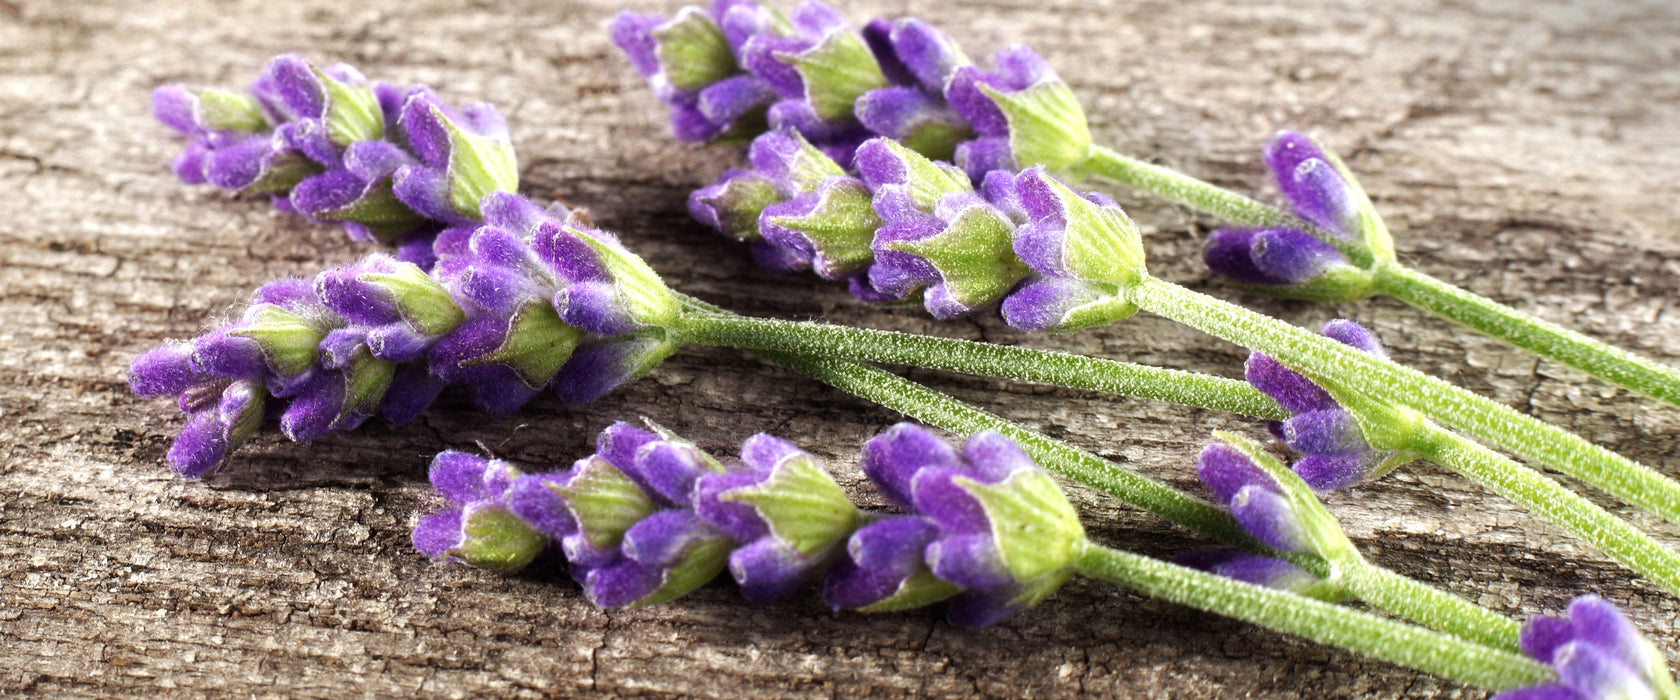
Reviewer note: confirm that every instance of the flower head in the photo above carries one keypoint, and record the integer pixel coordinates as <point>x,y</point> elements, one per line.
<point>395,166</point>
<point>1597,653</point>
<point>1006,535</point>
<point>505,312</point>
<point>1023,115</point>
<point>478,528</point>
<point>1336,453</point>
<point>692,62</point>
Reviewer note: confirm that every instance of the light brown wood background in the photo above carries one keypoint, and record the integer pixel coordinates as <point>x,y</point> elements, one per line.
<point>1528,150</point>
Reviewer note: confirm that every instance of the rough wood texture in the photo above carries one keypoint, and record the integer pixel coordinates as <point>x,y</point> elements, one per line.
<point>1526,150</point>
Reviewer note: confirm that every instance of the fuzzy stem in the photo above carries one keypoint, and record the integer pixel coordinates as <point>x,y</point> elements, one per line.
<point>1553,342</point>
<point>1323,359</point>
<point>1396,642</point>
<point>1534,491</point>
<point>1431,607</point>
<point>984,359</point>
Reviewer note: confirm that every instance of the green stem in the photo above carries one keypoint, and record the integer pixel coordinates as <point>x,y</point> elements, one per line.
<point>1205,197</point>
<point>1609,363</point>
<point>1431,607</point>
<point>1323,359</point>
<point>1534,491</point>
<point>984,359</point>
<point>1397,642</point>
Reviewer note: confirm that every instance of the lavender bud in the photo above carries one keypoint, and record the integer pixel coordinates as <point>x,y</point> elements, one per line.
<point>1597,653</point>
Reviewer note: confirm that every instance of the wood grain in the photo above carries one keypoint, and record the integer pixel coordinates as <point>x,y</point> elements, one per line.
<point>1524,149</point>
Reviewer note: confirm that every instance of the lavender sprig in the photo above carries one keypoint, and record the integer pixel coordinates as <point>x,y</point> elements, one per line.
<point>393,165</point>
<point>648,518</point>
<point>531,301</point>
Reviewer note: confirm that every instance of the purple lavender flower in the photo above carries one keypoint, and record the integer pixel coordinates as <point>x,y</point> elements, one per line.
<point>797,208</point>
<point>786,511</point>
<point>1022,115</point>
<point>393,166</point>
<point>527,302</point>
<point>937,233</point>
<point>918,60</point>
<point>1261,504</point>
<point>1285,262</point>
<point>693,63</point>
<point>1597,653</point>
<point>478,528</point>
<point>1316,187</point>
<point>973,500</point>
<point>1083,249</point>
<point>1336,453</point>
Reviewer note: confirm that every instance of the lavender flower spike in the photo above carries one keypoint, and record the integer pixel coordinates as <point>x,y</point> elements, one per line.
<point>1270,502</point>
<point>1598,655</point>
<point>1007,537</point>
<point>1336,453</point>
<point>502,312</point>
<point>393,166</point>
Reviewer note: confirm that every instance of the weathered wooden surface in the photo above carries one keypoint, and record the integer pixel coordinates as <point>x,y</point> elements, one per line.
<point>1527,150</point>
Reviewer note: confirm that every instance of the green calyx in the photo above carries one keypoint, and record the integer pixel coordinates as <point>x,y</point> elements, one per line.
<point>352,112</point>
<point>693,52</point>
<point>424,304</point>
<point>225,110</point>
<point>604,501</point>
<point>1036,529</point>
<point>973,255</point>
<point>920,590</point>
<point>538,343</point>
<point>1047,126</point>
<point>366,379</point>
<point>927,181</point>
<point>281,170</point>
<point>739,202</point>
<point>289,342</point>
<point>840,228</point>
<point>803,506</point>
<point>810,167</point>
<point>701,561</point>
<point>478,165</point>
<point>1321,533</point>
<point>496,540</point>
<point>1099,243</point>
<point>837,71</point>
<point>645,297</point>
<point>379,211</point>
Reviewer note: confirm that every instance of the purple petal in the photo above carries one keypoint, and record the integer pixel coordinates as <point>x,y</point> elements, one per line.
<point>622,584</point>
<point>238,166</point>
<point>880,557</point>
<point>296,86</point>
<point>459,476</point>
<point>738,520</point>
<point>1325,432</point>
<point>594,307</point>
<point>937,495</point>
<point>413,389</point>
<point>530,498</point>
<point>892,459</point>
<point>1543,634</point>
<point>176,107</point>
<point>729,99</point>
<point>767,569</point>
<point>1548,691</point>
<point>201,445</point>
<point>315,408</point>
<point>1226,471</point>
<point>436,534</point>
<point>1230,253</point>
<point>1355,336</point>
<point>991,457</point>
<point>1268,516</point>
<point>982,156</point>
<point>1248,568</point>
<point>621,442</point>
<point>168,369</point>
<point>1334,472</point>
<point>1294,392</point>
<point>765,451</point>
